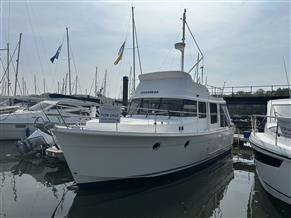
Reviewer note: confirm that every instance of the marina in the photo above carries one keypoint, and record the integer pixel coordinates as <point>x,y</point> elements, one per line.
<point>135,139</point>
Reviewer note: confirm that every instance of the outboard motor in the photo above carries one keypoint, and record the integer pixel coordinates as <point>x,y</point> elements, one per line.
<point>39,140</point>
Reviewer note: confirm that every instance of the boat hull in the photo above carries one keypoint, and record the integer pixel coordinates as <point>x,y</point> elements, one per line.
<point>274,171</point>
<point>15,131</point>
<point>95,156</point>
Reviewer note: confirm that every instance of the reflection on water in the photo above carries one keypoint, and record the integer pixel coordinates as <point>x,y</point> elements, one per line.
<point>37,187</point>
<point>197,195</point>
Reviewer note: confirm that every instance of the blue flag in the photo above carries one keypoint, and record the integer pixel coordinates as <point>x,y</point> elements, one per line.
<point>56,56</point>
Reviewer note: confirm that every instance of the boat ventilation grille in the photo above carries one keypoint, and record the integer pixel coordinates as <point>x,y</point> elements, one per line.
<point>156,146</point>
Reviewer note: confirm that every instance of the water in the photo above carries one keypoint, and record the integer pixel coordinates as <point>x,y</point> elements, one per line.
<point>36,187</point>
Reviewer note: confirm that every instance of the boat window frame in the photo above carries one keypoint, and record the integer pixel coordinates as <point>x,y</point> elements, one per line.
<point>203,114</point>
<point>162,108</point>
<point>213,114</point>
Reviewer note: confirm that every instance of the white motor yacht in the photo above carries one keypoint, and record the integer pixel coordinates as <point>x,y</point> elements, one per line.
<point>173,124</point>
<point>21,123</point>
<point>272,149</point>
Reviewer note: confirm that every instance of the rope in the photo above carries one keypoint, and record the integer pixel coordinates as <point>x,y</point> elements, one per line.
<point>7,66</point>
<point>138,54</point>
<point>171,49</point>
<point>35,41</point>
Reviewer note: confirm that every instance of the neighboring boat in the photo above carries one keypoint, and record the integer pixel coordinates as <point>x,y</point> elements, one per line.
<point>172,124</point>
<point>21,123</point>
<point>272,149</point>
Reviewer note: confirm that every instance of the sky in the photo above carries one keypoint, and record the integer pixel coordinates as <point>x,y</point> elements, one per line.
<point>243,42</point>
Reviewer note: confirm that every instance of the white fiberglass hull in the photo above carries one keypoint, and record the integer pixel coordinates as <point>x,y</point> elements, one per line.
<point>14,131</point>
<point>95,156</point>
<point>273,169</point>
<point>20,125</point>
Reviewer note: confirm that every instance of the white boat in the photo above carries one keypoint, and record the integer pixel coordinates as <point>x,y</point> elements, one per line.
<point>272,149</point>
<point>21,123</point>
<point>172,124</point>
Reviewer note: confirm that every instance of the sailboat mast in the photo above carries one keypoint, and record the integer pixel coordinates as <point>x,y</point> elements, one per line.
<point>183,41</point>
<point>76,86</point>
<point>17,64</point>
<point>133,46</point>
<point>69,66</point>
<point>105,78</point>
<point>8,80</point>
<point>96,81</point>
<point>34,78</point>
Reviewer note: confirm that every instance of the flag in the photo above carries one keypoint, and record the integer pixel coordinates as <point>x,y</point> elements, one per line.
<point>56,56</point>
<point>120,53</point>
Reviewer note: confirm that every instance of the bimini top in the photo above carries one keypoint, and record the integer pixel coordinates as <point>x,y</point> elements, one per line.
<point>169,84</point>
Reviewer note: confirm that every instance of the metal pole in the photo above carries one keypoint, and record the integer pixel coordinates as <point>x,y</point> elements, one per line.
<point>183,40</point>
<point>76,85</point>
<point>133,47</point>
<point>8,80</point>
<point>69,66</point>
<point>96,81</point>
<point>34,84</point>
<point>17,65</point>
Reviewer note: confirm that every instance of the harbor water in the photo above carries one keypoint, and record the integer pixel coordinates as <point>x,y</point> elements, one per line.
<point>34,186</point>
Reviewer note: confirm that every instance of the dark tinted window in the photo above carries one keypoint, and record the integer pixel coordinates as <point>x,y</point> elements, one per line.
<point>163,106</point>
<point>190,107</point>
<point>148,105</point>
<point>202,109</point>
<point>213,113</point>
<point>171,105</point>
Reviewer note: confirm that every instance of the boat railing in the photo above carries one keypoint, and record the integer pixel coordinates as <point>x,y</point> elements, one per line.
<point>157,112</point>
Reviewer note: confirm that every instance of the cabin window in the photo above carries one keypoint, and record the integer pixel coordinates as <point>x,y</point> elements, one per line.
<point>172,105</point>
<point>149,105</point>
<point>202,109</point>
<point>134,105</point>
<point>213,113</point>
<point>190,107</point>
<point>164,106</point>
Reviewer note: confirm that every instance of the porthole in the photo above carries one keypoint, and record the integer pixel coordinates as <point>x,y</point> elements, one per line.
<point>156,146</point>
<point>187,143</point>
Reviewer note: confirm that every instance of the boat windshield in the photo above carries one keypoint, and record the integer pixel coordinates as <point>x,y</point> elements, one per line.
<point>163,106</point>
<point>39,106</point>
<point>283,110</point>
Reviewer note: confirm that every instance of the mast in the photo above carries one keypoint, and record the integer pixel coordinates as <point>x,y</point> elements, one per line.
<point>8,80</point>
<point>133,47</point>
<point>183,41</point>
<point>96,81</point>
<point>181,45</point>
<point>23,86</point>
<point>69,66</point>
<point>105,78</point>
<point>76,85</point>
<point>34,78</point>
<point>17,65</point>
<point>43,85</point>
